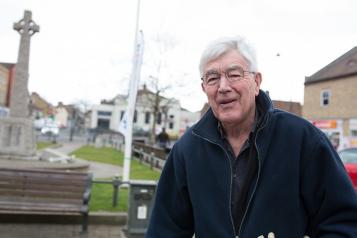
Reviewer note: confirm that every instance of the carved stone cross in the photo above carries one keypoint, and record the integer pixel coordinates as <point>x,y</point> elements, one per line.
<point>19,100</point>
<point>26,25</point>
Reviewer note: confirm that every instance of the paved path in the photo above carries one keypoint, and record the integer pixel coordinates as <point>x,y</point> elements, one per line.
<point>12,230</point>
<point>69,146</point>
<point>99,170</point>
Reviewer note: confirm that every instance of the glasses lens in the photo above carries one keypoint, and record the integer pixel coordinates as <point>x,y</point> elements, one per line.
<point>235,74</point>
<point>212,78</point>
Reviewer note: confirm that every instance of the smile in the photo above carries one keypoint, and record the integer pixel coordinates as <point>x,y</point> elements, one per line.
<point>227,102</point>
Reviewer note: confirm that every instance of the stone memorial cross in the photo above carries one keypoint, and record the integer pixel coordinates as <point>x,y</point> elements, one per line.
<point>19,101</point>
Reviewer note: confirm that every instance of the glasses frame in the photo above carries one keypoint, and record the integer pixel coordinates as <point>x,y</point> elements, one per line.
<point>225,73</point>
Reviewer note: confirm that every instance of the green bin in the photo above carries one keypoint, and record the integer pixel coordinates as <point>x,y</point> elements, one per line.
<point>141,199</point>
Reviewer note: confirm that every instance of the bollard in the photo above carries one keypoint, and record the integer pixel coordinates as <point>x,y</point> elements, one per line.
<point>151,160</point>
<point>157,164</point>
<point>116,183</point>
<point>141,156</point>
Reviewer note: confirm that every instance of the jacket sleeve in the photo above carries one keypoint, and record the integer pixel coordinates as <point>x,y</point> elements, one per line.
<point>172,214</point>
<point>328,194</point>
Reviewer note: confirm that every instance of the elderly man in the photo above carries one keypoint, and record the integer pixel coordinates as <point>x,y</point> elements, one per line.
<point>248,170</point>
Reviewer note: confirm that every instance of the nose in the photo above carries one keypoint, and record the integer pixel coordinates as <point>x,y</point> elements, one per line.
<point>224,85</point>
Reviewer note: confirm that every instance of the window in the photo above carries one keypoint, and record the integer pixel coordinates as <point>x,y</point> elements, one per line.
<point>158,119</point>
<point>147,117</point>
<point>171,125</point>
<point>354,132</point>
<point>104,113</point>
<point>103,123</point>
<point>325,97</point>
<point>121,114</point>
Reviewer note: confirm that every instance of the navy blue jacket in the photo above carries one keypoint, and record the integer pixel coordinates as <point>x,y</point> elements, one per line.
<point>301,187</point>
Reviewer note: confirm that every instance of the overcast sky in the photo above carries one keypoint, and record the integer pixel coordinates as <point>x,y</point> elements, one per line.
<point>84,48</point>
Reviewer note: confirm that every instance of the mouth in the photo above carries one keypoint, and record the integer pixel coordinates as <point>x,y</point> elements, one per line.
<point>226,102</point>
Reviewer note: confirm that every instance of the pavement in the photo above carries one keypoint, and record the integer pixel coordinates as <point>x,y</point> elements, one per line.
<point>59,231</point>
<point>99,170</point>
<point>101,225</point>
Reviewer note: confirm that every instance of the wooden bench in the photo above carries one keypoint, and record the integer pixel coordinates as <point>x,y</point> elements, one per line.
<point>47,192</point>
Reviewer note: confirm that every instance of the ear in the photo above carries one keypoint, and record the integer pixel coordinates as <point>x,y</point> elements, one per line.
<point>258,81</point>
<point>203,88</point>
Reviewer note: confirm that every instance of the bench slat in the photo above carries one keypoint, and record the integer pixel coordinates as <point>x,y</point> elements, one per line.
<point>45,187</point>
<point>44,192</point>
<point>40,193</point>
<point>43,179</point>
<point>63,208</point>
<point>78,201</point>
<point>39,173</point>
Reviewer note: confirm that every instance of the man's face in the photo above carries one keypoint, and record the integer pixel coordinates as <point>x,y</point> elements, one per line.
<point>231,101</point>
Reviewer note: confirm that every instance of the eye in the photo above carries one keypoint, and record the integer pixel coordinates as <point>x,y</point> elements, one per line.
<point>235,74</point>
<point>212,78</point>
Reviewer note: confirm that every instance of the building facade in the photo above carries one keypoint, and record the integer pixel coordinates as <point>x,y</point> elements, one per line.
<point>39,107</point>
<point>6,75</point>
<point>330,100</point>
<point>289,106</point>
<point>171,116</point>
<point>61,115</point>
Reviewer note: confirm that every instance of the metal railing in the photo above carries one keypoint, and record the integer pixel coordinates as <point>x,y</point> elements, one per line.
<point>148,158</point>
<point>143,155</point>
<point>116,183</point>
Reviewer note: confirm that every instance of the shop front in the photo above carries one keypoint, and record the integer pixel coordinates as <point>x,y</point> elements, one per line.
<point>352,139</point>
<point>333,130</point>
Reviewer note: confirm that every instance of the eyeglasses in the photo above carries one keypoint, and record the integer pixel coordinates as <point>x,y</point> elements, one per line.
<point>234,74</point>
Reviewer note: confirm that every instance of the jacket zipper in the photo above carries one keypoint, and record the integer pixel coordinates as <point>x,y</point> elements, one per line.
<point>255,186</point>
<point>230,187</point>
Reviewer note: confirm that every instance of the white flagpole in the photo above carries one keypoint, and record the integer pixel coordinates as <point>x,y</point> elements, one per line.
<point>135,77</point>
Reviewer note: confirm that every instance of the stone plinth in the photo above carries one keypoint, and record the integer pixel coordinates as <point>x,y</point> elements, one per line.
<point>17,138</point>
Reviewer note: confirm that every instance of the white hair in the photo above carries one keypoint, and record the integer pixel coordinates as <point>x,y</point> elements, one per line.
<point>223,45</point>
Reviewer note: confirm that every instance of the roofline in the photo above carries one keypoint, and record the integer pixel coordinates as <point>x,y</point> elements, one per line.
<point>318,80</point>
<point>8,65</point>
<point>332,63</point>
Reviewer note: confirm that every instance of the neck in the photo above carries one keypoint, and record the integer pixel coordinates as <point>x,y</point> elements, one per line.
<point>237,134</point>
<point>236,130</point>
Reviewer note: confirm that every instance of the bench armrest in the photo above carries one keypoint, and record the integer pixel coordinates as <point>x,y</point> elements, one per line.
<point>86,197</point>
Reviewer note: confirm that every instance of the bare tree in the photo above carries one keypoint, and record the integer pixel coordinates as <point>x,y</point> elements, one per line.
<point>77,112</point>
<point>154,99</point>
<point>156,104</point>
<point>82,105</point>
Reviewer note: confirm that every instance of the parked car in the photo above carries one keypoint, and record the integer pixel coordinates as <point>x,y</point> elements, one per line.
<point>39,123</point>
<point>349,158</point>
<point>50,129</point>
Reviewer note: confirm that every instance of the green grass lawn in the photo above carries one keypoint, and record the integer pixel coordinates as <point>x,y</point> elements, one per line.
<point>43,145</point>
<point>111,156</point>
<point>102,194</point>
<point>102,198</point>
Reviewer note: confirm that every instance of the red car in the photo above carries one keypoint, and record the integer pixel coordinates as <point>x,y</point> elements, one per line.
<point>349,158</point>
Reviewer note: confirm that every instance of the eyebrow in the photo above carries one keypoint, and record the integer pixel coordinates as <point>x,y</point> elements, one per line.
<point>234,67</point>
<point>214,71</point>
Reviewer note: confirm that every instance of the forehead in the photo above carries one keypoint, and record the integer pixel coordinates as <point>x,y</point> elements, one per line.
<point>225,61</point>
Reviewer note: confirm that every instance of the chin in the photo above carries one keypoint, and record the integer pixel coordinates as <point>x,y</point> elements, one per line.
<point>228,117</point>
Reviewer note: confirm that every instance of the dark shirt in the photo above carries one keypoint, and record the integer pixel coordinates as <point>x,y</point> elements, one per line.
<point>240,168</point>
